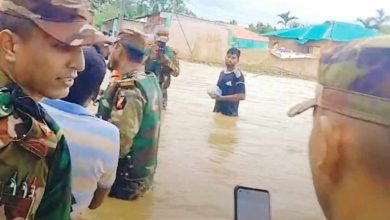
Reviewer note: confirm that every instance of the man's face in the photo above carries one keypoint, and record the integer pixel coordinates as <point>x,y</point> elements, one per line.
<point>231,60</point>
<point>45,67</point>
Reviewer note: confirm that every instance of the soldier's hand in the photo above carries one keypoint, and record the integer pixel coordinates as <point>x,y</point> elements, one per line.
<point>154,52</point>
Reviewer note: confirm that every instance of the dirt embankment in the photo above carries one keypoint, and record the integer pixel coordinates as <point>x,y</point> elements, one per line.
<point>262,62</point>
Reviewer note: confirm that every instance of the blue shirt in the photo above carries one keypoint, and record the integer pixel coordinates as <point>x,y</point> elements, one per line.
<point>230,83</point>
<point>94,149</point>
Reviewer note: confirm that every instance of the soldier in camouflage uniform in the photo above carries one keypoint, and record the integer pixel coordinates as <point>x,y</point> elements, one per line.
<point>161,60</point>
<point>40,56</point>
<point>350,140</point>
<point>133,104</point>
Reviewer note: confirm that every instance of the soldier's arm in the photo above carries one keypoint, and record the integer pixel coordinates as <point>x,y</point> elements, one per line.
<point>171,62</point>
<point>129,119</point>
<point>56,201</point>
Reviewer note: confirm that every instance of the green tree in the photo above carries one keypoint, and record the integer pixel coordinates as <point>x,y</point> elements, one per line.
<point>375,22</point>
<point>261,28</point>
<point>107,9</point>
<point>154,6</point>
<point>233,22</point>
<point>367,22</point>
<point>286,19</point>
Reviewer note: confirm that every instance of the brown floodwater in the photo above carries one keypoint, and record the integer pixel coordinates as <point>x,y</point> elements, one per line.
<point>203,156</point>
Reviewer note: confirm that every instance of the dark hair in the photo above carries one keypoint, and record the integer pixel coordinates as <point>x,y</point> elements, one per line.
<point>234,51</point>
<point>18,25</point>
<point>133,54</point>
<point>87,84</point>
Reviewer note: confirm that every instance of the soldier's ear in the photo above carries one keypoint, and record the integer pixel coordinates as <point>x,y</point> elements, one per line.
<point>9,45</point>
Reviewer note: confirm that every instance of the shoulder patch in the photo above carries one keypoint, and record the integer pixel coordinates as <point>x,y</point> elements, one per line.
<point>126,84</point>
<point>6,107</point>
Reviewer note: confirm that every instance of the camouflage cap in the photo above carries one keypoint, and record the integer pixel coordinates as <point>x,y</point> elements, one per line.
<point>132,39</point>
<point>354,80</point>
<point>162,35</point>
<point>66,20</point>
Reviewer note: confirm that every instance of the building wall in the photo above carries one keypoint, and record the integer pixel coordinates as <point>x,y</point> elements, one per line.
<point>193,38</point>
<point>260,60</point>
<point>316,47</point>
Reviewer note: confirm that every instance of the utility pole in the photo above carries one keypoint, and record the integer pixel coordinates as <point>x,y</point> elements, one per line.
<point>121,14</point>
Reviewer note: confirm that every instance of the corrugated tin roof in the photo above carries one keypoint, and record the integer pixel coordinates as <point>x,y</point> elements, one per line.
<point>246,34</point>
<point>330,30</point>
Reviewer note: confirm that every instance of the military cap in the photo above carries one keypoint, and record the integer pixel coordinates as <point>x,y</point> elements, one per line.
<point>132,39</point>
<point>354,80</point>
<point>162,35</point>
<point>66,20</point>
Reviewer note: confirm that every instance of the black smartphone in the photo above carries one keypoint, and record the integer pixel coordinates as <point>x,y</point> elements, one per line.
<point>251,204</point>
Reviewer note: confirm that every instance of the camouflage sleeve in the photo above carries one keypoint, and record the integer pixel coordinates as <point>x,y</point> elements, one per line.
<point>129,119</point>
<point>56,201</point>
<point>173,63</point>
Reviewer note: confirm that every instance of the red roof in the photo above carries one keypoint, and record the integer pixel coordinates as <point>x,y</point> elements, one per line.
<point>243,33</point>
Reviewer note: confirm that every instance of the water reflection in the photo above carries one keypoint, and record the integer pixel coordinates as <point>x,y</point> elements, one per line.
<point>203,156</point>
<point>223,135</point>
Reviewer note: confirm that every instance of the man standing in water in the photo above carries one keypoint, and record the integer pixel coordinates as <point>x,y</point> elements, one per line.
<point>350,141</point>
<point>40,55</point>
<point>161,60</point>
<point>231,86</point>
<point>133,104</point>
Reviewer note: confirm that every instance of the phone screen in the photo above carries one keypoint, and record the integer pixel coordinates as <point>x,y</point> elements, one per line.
<point>252,204</point>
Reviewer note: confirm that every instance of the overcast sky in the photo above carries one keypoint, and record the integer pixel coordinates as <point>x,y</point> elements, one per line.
<point>308,11</point>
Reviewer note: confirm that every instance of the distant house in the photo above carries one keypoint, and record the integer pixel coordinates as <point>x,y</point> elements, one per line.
<point>317,38</point>
<point>246,39</point>
<point>195,38</point>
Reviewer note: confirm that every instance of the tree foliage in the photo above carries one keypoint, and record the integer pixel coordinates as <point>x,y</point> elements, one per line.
<point>286,19</point>
<point>107,9</point>
<point>375,22</point>
<point>261,28</point>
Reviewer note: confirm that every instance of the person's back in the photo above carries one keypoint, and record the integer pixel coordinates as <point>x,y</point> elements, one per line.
<point>133,104</point>
<point>350,140</point>
<point>94,149</point>
<point>93,143</point>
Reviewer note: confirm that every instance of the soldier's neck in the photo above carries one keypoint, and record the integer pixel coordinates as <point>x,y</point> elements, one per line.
<point>130,67</point>
<point>6,81</point>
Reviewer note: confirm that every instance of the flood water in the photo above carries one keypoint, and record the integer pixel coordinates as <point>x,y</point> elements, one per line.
<point>203,156</point>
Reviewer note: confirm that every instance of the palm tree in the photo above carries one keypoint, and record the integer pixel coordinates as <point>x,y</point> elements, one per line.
<point>286,19</point>
<point>367,22</point>
<point>375,22</point>
<point>381,17</point>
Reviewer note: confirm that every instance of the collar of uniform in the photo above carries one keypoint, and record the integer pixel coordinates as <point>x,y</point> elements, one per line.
<point>132,73</point>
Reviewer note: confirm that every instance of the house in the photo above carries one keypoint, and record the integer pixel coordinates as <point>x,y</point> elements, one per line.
<point>195,38</point>
<point>297,50</point>
<point>317,38</point>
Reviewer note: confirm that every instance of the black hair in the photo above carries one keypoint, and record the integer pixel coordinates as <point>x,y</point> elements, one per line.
<point>234,51</point>
<point>21,26</point>
<point>134,54</point>
<point>87,84</point>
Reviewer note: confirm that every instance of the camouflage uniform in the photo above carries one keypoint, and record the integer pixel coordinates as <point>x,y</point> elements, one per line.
<point>136,110</point>
<point>34,158</point>
<point>134,105</point>
<point>163,71</point>
<point>354,80</point>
